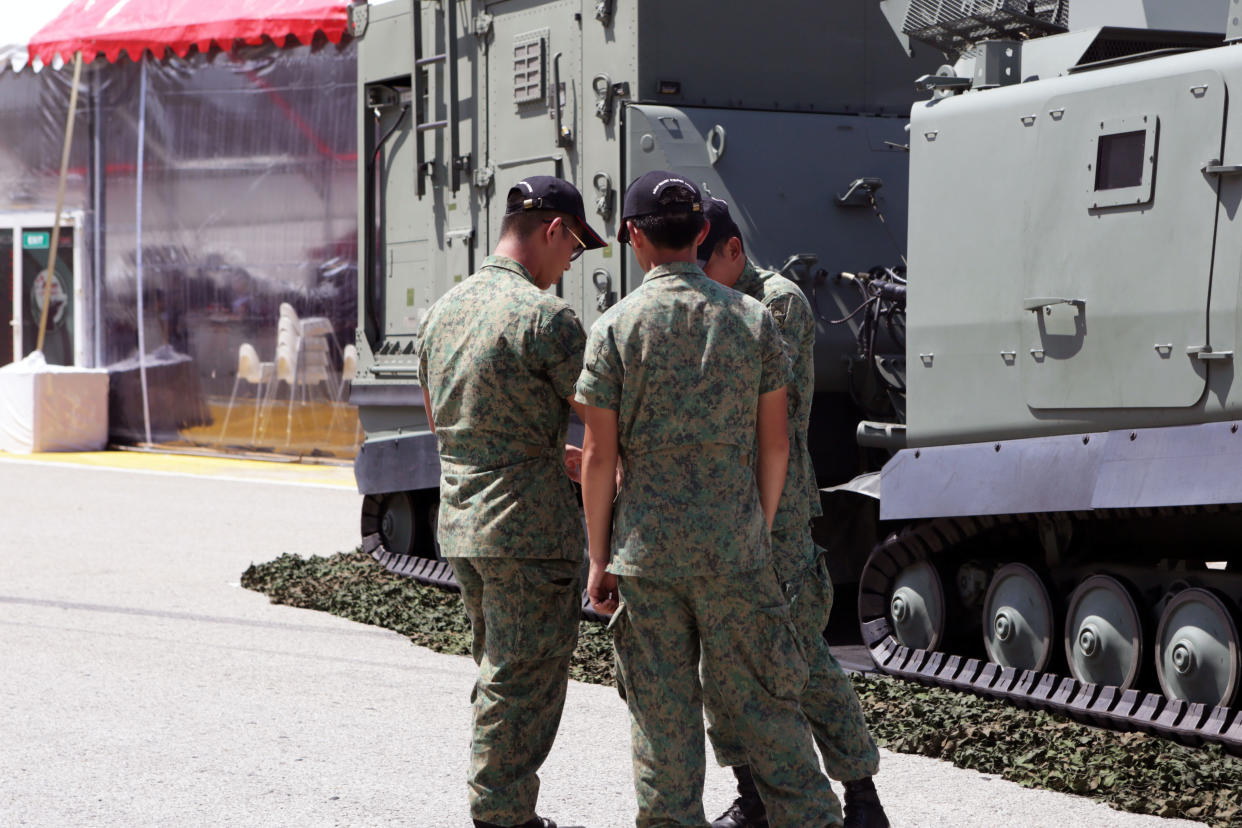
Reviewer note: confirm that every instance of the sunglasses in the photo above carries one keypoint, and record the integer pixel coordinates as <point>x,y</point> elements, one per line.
<point>581,244</point>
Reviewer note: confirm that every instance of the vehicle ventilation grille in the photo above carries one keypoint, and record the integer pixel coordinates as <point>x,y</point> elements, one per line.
<point>956,25</point>
<point>1106,47</point>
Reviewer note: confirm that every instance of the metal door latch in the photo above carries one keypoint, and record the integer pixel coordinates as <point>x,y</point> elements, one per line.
<point>1206,352</point>
<point>483,177</point>
<point>605,296</point>
<point>1214,167</point>
<point>604,195</point>
<point>603,12</point>
<point>1038,303</point>
<point>606,93</point>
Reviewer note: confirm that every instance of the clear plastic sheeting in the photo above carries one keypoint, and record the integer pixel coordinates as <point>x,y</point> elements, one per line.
<point>52,407</point>
<point>249,204</point>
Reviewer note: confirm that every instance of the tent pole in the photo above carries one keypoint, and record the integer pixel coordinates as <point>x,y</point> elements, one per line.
<point>60,199</point>
<point>142,346</point>
<point>97,168</point>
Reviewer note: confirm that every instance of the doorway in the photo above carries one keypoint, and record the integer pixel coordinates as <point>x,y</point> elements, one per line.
<point>8,293</point>
<point>25,250</point>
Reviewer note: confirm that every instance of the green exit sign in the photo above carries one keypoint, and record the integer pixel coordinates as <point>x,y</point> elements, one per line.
<point>36,241</point>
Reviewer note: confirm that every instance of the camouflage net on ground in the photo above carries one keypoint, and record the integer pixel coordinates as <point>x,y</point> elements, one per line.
<point>1130,771</point>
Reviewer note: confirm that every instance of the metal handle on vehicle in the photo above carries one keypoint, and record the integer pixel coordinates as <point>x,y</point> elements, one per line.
<point>715,143</point>
<point>564,136</point>
<point>1214,167</point>
<point>1207,352</point>
<point>1040,302</point>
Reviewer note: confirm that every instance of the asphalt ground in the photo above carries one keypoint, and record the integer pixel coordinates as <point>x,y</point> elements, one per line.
<point>141,686</point>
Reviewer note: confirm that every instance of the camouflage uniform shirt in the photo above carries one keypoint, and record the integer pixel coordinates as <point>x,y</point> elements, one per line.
<point>792,312</point>
<point>683,360</point>
<point>498,357</point>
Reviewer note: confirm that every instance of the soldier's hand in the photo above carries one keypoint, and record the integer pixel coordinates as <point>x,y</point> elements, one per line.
<point>602,589</point>
<point>573,463</point>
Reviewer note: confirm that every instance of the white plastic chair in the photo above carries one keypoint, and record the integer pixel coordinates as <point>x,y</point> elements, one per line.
<point>314,366</point>
<point>349,369</point>
<point>284,369</point>
<point>255,372</point>
<point>316,338</point>
<point>302,360</point>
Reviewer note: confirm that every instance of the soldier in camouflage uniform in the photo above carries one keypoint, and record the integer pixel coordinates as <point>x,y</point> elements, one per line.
<point>829,700</point>
<point>681,379</point>
<point>498,358</point>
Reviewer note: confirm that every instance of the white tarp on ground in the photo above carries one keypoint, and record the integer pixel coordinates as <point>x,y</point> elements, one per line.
<point>52,407</point>
<point>19,20</point>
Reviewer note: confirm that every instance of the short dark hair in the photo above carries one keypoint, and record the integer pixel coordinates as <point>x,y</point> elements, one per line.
<point>522,224</point>
<point>720,243</point>
<point>525,223</point>
<point>672,230</point>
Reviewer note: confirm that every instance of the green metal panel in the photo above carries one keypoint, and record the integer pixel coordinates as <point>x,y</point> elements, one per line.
<point>1126,345</point>
<point>1028,224</point>
<point>787,55</point>
<point>783,166</point>
<point>784,198</point>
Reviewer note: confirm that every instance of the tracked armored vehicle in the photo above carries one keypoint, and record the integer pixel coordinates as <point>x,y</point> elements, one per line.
<point>1056,524</point>
<point>796,115</point>
<point>1064,523</point>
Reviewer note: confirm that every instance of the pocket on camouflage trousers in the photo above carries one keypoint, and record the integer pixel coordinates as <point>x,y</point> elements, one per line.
<point>811,604</point>
<point>548,609</point>
<point>786,672</point>
<point>619,625</point>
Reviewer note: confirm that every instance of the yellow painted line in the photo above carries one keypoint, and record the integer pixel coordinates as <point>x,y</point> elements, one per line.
<point>180,465</point>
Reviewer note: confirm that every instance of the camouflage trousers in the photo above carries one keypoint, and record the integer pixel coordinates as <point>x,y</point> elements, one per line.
<point>829,700</point>
<point>524,616</point>
<point>738,627</point>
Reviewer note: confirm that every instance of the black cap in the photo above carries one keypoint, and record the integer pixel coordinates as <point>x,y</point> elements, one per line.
<point>723,226</point>
<point>642,198</point>
<point>547,192</point>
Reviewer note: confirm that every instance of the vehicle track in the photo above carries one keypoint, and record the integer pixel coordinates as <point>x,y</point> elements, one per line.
<point>1100,705</point>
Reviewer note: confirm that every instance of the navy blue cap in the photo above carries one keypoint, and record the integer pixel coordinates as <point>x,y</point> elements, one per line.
<point>646,197</point>
<point>723,226</point>
<point>547,192</point>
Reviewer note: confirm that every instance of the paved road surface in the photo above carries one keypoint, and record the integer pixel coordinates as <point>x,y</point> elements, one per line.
<point>141,686</point>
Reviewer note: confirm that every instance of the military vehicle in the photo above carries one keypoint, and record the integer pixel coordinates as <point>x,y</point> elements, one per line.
<point>1063,520</point>
<point>458,101</point>
<point>1057,515</point>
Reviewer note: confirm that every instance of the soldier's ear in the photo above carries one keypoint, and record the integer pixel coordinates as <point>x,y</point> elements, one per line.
<point>698,240</point>
<point>549,229</point>
<point>735,248</point>
<point>637,237</point>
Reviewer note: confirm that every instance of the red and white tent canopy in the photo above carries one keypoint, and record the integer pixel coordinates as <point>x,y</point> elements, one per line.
<point>115,27</point>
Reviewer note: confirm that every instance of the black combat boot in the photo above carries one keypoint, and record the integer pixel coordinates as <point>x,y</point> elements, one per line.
<point>533,822</point>
<point>862,805</point>
<point>747,810</point>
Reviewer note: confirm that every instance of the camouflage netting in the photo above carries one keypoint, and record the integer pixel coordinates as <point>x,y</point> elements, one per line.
<point>1130,771</point>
